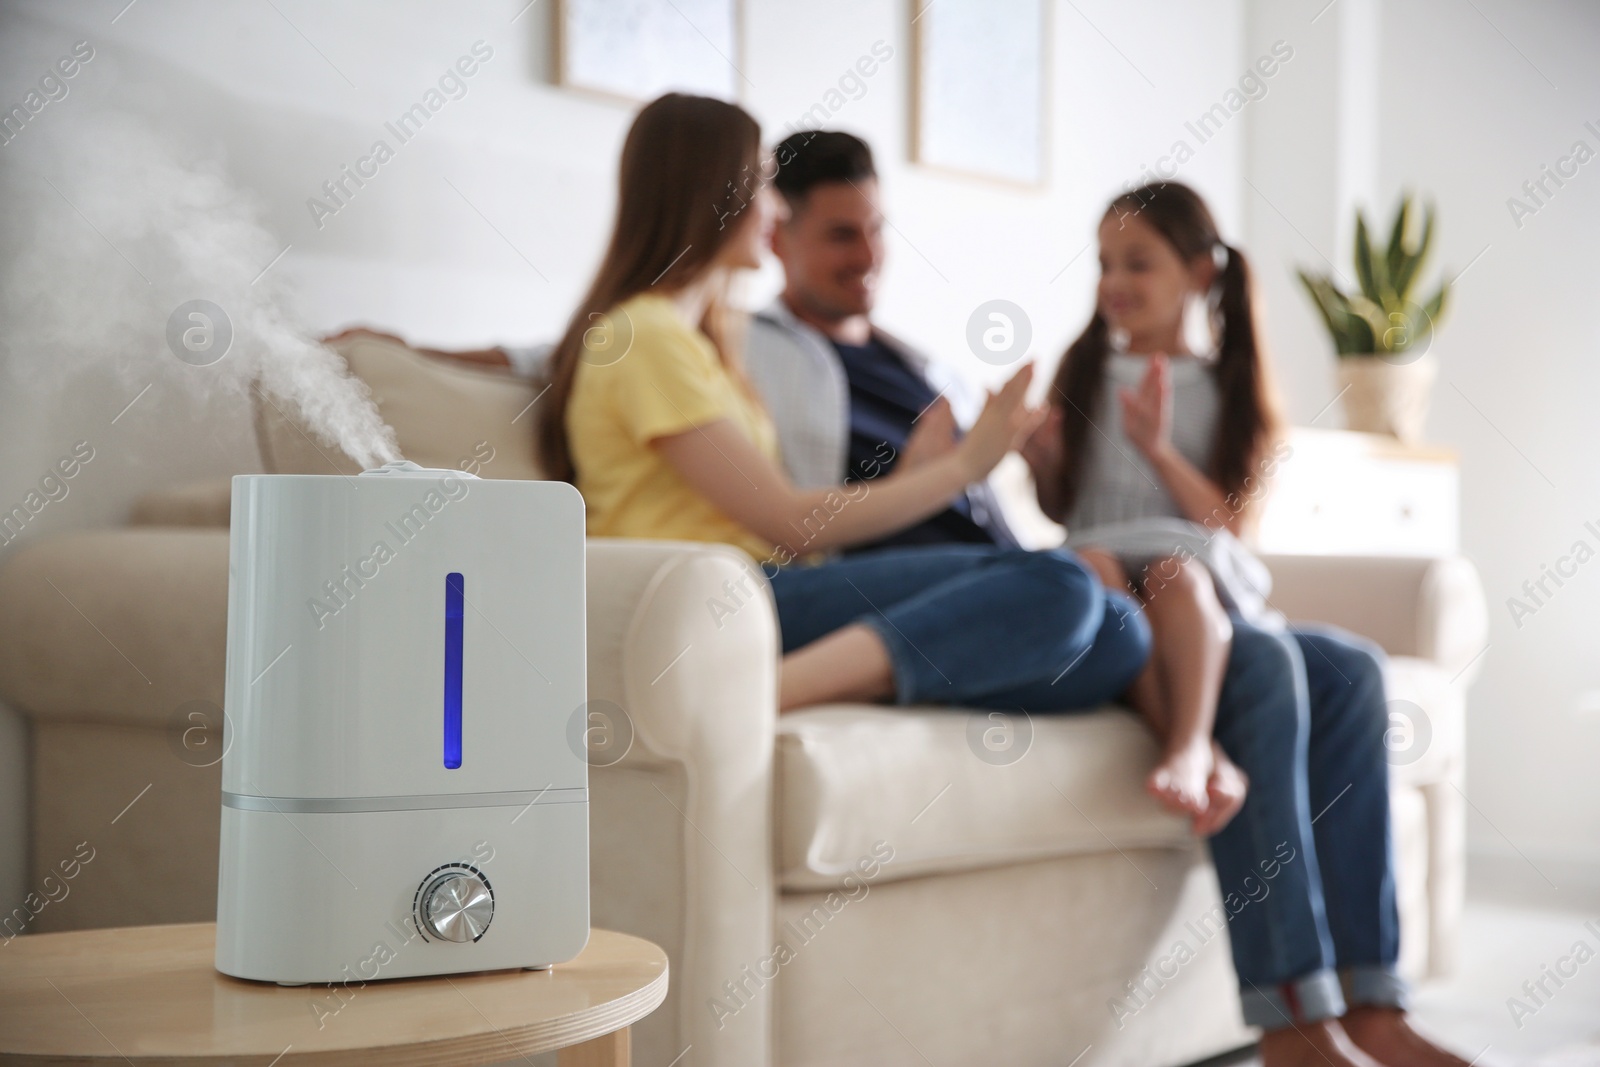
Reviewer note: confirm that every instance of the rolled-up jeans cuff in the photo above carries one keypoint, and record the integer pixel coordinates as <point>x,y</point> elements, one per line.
<point>1307,999</point>
<point>901,654</point>
<point>1375,986</point>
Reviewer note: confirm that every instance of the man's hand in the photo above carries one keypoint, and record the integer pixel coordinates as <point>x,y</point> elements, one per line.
<point>934,435</point>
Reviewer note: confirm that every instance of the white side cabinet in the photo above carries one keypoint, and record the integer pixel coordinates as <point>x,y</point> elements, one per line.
<point>1358,494</point>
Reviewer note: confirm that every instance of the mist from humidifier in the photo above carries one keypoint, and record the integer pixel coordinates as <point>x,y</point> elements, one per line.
<point>110,234</point>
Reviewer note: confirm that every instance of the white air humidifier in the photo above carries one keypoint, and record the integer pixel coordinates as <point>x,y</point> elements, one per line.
<point>399,793</point>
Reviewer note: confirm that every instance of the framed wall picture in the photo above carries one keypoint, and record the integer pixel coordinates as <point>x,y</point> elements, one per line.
<point>981,74</point>
<point>635,50</point>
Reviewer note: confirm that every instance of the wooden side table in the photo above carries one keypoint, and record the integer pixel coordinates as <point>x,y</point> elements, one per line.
<point>150,995</point>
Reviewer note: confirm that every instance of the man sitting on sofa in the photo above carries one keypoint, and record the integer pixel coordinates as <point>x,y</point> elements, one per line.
<point>839,388</point>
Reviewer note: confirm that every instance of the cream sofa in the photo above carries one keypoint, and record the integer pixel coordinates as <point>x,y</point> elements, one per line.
<point>846,885</point>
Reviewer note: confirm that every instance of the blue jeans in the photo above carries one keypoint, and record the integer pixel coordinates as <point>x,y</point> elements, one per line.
<point>975,625</point>
<point>1306,867</point>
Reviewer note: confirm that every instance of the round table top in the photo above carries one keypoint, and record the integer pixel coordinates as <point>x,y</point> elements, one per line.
<point>151,995</point>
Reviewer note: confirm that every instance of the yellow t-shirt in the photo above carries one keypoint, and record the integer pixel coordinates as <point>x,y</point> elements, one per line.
<point>670,380</point>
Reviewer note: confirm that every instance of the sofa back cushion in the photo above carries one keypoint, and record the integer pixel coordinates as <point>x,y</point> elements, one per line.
<point>444,414</point>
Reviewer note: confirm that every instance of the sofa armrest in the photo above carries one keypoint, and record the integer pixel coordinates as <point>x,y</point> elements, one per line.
<point>121,627</point>
<point>681,825</point>
<point>193,504</point>
<point>1431,607</point>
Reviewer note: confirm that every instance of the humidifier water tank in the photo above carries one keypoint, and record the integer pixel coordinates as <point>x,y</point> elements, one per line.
<point>400,792</point>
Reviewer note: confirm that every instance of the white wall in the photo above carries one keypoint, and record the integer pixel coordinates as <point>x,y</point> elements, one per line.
<point>1310,158</point>
<point>1474,105</point>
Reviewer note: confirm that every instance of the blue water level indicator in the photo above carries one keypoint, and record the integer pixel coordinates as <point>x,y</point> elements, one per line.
<point>454,602</point>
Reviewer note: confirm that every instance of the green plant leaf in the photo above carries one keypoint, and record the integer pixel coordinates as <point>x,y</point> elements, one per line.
<point>1371,271</point>
<point>1329,303</point>
<point>1380,317</point>
<point>1406,277</point>
<point>1349,328</point>
<point>1397,239</point>
<point>1436,308</point>
<point>1369,323</point>
<point>1358,338</point>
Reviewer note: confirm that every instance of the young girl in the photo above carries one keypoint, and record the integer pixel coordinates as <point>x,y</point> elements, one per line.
<point>1156,456</point>
<point>649,415</point>
<point>1144,427</point>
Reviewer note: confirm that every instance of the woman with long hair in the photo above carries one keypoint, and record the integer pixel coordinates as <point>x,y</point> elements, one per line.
<point>1162,440</point>
<point>650,416</point>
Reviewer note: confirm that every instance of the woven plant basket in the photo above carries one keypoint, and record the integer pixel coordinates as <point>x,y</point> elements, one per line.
<point>1387,398</point>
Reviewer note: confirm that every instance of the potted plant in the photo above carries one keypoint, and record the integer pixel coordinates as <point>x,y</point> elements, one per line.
<point>1382,336</point>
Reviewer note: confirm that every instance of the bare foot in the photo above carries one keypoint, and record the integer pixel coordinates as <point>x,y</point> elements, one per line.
<point>1179,780</point>
<point>1386,1034</point>
<point>1321,1044</point>
<point>1225,789</point>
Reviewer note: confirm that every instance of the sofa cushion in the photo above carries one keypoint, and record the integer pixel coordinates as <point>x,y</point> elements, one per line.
<point>852,776</point>
<point>444,414</point>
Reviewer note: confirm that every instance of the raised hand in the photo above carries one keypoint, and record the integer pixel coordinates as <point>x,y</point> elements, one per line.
<point>1005,423</point>
<point>1147,410</point>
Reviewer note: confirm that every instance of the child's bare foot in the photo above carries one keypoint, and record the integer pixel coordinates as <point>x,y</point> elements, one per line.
<point>1225,789</point>
<point>1386,1035</point>
<point>1179,780</point>
<point>1314,1045</point>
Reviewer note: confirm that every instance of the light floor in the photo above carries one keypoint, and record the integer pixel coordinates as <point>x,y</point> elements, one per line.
<point>1520,921</point>
<point>1517,923</point>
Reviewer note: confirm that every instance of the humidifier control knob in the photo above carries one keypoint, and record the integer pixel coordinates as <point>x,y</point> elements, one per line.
<point>455,904</point>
